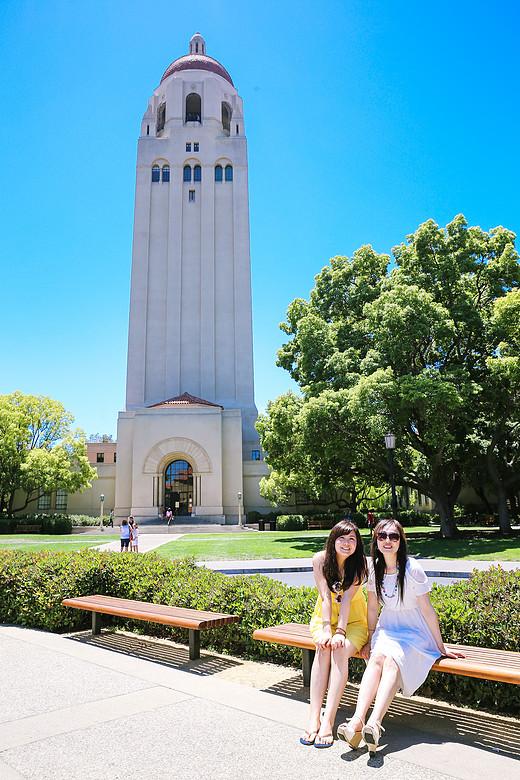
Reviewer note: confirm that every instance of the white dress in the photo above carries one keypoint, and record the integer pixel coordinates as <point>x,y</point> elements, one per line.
<point>402,632</point>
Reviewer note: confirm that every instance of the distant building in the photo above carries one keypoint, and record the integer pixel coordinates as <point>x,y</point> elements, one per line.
<point>186,435</point>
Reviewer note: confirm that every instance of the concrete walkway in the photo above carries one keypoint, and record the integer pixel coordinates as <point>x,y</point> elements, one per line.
<point>118,706</point>
<point>434,567</point>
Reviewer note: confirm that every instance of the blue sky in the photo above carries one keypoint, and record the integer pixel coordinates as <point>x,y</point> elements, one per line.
<point>364,118</point>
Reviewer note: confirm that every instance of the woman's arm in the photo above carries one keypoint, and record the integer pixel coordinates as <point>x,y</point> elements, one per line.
<point>372,615</point>
<point>429,614</point>
<point>338,640</point>
<point>326,607</point>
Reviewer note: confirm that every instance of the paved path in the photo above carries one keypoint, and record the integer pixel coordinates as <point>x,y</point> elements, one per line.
<point>434,567</point>
<point>120,707</point>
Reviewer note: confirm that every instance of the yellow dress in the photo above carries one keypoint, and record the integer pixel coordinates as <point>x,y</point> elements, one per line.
<point>356,630</point>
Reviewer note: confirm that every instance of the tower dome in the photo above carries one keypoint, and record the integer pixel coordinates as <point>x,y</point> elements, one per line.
<point>197,60</point>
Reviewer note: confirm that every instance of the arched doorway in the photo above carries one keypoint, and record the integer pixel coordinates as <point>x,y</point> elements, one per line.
<point>178,487</point>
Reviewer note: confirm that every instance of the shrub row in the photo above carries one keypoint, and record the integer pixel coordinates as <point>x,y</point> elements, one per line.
<point>482,611</point>
<point>50,524</point>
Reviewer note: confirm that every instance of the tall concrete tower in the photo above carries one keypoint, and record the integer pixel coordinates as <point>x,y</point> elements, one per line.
<point>190,350</point>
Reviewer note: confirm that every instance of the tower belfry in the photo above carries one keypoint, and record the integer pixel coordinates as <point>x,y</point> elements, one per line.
<point>190,331</point>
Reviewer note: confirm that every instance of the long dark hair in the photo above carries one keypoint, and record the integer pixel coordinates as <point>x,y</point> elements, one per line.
<point>355,567</point>
<point>379,561</point>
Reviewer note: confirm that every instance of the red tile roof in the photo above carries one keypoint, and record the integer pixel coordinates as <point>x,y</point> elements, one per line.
<point>197,62</point>
<point>185,400</point>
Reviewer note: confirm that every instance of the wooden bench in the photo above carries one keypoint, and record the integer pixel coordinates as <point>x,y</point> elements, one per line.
<point>192,619</point>
<point>487,664</point>
<point>319,525</point>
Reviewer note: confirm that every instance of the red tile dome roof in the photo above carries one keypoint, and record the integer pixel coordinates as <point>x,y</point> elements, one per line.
<point>197,62</point>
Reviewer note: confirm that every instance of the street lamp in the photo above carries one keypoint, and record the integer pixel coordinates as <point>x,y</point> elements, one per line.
<point>101,500</point>
<point>240,508</point>
<point>390,446</point>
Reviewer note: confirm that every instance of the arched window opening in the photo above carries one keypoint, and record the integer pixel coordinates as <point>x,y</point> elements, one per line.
<point>161,117</point>
<point>229,173</point>
<point>218,172</point>
<point>166,173</point>
<point>197,173</point>
<point>193,107</point>
<point>187,173</point>
<point>178,487</point>
<point>156,171</point>
<point>226,117</point>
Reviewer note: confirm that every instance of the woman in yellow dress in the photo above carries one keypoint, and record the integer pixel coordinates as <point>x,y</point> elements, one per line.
<point>338,626</point>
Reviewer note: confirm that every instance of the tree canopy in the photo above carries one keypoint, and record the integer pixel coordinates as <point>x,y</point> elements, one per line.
<point>39,451</point>
<point>426,347</point>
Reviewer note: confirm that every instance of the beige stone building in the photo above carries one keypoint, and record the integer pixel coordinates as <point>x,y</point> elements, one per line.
<point>186,437</point>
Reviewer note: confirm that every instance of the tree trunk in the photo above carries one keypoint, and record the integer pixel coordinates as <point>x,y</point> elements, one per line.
<point>482,495</point>
<point>503,512</point>
<point>444,507</point>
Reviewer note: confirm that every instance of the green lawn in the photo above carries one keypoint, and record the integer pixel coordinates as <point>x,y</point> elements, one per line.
<point>54,542</point>
<point>303,544</point>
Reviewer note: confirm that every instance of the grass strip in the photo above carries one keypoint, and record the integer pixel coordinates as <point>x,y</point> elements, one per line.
<point>423,541</point>
<point>39,542</point>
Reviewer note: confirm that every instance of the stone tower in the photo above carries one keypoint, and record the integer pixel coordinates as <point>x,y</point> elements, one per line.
<point>190,394</point>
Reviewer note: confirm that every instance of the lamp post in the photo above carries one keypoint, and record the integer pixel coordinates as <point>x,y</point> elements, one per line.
<point>390,446</point>
<point>240,508</point>
<point>101,500</point>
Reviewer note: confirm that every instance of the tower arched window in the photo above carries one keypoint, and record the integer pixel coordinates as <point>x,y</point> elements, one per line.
<point>197,173</point>
<point>161,117</point>
<point>166,173</point>
<point>218,172</point>
<point>193,107</point>
<point>226,117</point>
<point>229,173</point>
<point>156,173</point>
<point>187,173</point>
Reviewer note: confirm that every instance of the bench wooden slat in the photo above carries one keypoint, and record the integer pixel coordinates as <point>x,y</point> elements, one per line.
<point>483,663</point>
<point>165,614</point>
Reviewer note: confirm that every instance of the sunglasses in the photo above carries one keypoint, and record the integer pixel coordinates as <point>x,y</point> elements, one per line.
<point>392,536</point>
<point>337,588</point>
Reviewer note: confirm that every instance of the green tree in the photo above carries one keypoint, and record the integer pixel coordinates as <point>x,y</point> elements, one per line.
<point>39,451</point>
<point>406,350</point>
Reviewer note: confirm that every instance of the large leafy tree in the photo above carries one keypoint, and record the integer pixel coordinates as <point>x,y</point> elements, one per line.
<point>39,450</point>
<point>409,349</point>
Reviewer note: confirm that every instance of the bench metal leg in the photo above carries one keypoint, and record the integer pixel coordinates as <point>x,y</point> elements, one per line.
<point>96,622</point>
<point>307,659</point>
<point>194,640</point>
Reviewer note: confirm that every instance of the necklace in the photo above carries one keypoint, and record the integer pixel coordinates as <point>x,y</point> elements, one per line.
<point>387,595</point>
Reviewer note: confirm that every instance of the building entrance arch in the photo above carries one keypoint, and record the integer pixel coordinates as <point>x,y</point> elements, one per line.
<point>178,487</point>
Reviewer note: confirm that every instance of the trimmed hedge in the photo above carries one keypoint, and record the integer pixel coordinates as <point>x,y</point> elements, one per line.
<point>482,611</point>
<point>291,523</point>
<point>50,524</point>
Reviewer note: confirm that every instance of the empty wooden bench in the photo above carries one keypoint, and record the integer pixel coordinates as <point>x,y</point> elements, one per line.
<point>484,663</point>
<point>192,619</point>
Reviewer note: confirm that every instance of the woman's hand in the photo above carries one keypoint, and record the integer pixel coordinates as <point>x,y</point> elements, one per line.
<point>338,640</point>
<point>365,651</point>
<point>452,654</point>
<point>324,638</point>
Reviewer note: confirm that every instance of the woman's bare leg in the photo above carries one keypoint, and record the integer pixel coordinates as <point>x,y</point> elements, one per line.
<point>319,680</point>
<point>386,690</point>
<point>337,680</point>
<point>368,688</point>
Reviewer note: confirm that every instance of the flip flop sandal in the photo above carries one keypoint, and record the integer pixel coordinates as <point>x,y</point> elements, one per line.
<point>309,741</point>
<point>324,744</point>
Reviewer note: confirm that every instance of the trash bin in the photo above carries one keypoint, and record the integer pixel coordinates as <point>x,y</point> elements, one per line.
<point>261,525</point>
<point>272,524</point>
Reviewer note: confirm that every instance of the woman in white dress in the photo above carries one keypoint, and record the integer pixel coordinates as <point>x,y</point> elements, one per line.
<point>407,640</point>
